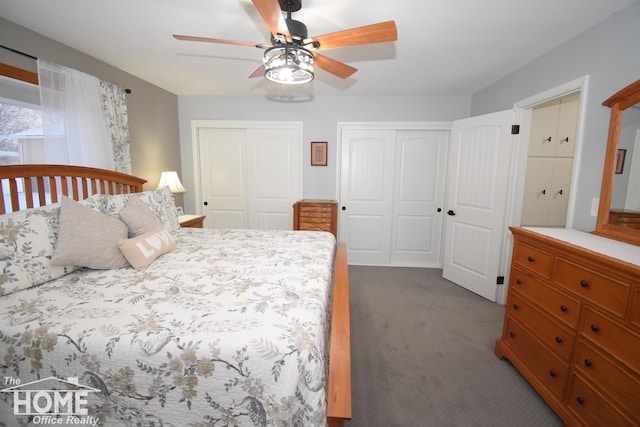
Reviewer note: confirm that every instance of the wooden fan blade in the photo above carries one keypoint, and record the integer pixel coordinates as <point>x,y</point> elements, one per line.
<point>337,68</point>
<point>258,73</point>
<point>374,33</point>
<point>222,41</point>
<point>272,16</point>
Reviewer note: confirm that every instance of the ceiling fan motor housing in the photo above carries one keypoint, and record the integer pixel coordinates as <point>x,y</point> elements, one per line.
<point>293,5</point>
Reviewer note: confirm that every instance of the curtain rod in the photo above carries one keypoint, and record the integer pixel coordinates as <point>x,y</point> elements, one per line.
<point>18,52</point>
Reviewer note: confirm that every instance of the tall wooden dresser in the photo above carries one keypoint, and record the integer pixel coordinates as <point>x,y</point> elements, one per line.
<point>319,215</point>
<point>572,324</point>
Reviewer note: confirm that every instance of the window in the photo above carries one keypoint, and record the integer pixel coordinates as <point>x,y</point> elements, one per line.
<point>21,139</point>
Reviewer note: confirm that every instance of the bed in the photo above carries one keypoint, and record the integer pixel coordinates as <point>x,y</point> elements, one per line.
<point>197,327</point>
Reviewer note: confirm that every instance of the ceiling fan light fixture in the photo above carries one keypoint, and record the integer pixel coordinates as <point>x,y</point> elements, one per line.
<point>288,65</point>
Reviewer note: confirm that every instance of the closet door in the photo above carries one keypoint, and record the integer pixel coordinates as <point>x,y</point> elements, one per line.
<point>273,176</point>
<point>251,176</point>
<point>366,194</point>
<point>391,186</point>
<point>223,177</point>
<point>418,193</point>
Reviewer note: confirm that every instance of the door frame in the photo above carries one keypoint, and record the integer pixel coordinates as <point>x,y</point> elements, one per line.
<point>234,124</point>
<point>515,195</point>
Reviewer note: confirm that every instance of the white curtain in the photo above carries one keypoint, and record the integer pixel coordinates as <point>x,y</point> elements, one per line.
<point>76,121</point>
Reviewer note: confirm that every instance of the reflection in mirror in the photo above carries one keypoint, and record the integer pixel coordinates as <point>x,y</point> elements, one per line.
<point>619,210</point>
<point>626,182</point>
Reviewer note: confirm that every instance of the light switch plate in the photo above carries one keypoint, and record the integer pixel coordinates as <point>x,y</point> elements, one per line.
<point>594,206</point>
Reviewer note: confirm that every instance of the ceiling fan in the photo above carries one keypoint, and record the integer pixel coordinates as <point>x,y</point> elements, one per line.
<point>292,54</point>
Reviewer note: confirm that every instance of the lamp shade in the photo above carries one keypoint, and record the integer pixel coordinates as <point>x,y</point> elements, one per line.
<point>170,179</point>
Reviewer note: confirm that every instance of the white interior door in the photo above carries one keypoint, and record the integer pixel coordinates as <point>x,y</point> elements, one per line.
<point>420,160</point>
<point>366,194</point>
<point>477,179</point>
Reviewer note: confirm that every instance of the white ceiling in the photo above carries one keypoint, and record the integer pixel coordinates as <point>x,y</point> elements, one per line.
<point>444,47</point>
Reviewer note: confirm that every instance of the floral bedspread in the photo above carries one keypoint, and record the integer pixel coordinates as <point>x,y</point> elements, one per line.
<point>230,329</point>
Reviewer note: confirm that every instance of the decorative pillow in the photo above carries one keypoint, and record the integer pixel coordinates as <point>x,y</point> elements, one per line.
<point>138,217</point>
<point>141,251</point>
<point>27,241</point>
<point>160,202</point>
<point>87,238</point>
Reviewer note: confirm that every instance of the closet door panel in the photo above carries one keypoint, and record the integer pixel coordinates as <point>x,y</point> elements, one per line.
<point>224,183</point>
<point>559,200</point>
<point>537,191</point>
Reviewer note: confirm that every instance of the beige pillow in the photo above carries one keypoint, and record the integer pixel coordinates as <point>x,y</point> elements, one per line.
<point>87,238</point>
<point>138,217</point>
<point>141,251</point>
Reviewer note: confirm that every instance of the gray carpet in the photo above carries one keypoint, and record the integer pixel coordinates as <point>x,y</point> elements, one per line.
<point>422,355</point>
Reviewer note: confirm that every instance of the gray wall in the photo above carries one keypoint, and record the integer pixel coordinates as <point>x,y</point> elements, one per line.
<point>610,54</point>
<point>153,112</point>
<point>319,118</point>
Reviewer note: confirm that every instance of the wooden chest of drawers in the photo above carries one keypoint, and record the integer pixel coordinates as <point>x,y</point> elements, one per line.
<point>572,327</point>
<point>318,215</point>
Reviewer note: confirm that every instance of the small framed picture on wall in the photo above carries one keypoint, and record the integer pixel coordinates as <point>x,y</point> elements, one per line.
<point>319,153</point>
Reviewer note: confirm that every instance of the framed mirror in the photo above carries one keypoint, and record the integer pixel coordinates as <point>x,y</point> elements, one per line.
<point>619,209</point>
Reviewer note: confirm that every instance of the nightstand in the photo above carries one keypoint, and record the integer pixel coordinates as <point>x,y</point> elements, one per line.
<point>193,221</point>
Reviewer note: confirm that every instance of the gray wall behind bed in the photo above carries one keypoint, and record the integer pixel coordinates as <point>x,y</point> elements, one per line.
<point>153,112</point>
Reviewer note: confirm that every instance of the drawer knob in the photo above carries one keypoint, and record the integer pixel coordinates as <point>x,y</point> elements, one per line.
<point>552,373</point>
<point>563,308</point>
<point>511,334</point>
<point>584,283</point>
<point>588,362</point>
<point>515,306</point>
<point>580,400</point>
<point>559,340</point>
<point>595,328</point>
<point>530,259</point>
<point>518,282</point>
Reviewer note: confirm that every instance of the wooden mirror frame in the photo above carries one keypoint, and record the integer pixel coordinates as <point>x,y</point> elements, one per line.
<point>620,101</point>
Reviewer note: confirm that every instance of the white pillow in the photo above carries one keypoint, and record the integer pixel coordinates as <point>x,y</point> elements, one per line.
<point>87,238</point>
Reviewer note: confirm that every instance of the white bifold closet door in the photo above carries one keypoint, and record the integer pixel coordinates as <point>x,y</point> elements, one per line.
<point>249,177</point>
<point>391,187</point>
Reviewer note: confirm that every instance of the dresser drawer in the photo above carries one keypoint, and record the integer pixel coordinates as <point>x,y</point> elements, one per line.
<point>533,259</point>
<point>314,226</point>
<point>549,332</point>
<point>621,387</point>
<point>592,408</point>
<point>315,211</point>
<point>617,340</point>
<point>548,367</point>
<point>559,305</point>
<point>608,293</point>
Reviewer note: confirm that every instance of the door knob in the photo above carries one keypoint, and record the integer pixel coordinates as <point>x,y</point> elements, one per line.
<point>206,203</point>
<point>344,208</point>
<point>450,212</point>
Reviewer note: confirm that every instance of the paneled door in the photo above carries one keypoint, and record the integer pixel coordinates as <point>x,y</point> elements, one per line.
<point>249,177</point>
<point>391,186</point>
<point>477,182</point>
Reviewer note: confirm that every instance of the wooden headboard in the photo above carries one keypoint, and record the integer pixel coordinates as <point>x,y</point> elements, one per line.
<point>45,184</point>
